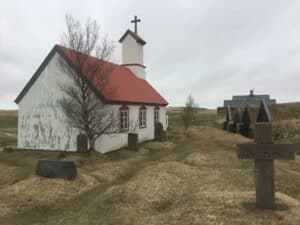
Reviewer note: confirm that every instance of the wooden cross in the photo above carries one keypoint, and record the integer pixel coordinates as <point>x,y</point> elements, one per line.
<point>264,152</point>
<point>135,21</point>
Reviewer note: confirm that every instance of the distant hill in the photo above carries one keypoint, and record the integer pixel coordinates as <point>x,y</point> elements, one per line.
<point>285,111</point>
<point>8,127</point>
<point>180,108</point>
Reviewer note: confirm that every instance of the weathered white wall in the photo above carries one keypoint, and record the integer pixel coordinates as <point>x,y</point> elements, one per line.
<point>132,53</point>
<point>108,143</point>
<point>138,71</point>
<point>43,126</point>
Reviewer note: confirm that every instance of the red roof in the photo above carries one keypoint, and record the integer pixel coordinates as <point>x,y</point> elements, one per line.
<point>123,86</point>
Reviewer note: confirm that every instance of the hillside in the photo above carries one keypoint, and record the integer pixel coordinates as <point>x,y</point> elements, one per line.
<point>285,111</point>
<point>8,127</point>
<point>195,178</point>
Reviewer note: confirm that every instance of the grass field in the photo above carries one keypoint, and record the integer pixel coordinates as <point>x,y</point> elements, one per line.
<point>194,178</point>
<point>8,127</point>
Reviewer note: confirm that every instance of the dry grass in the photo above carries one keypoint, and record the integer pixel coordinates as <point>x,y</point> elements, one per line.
<point>35,191</point>
<point>8,128</point>
<point>195,178</point>
<point>156,146</point>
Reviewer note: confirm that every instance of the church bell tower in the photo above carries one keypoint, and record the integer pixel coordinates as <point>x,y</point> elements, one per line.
<point>132,51</point>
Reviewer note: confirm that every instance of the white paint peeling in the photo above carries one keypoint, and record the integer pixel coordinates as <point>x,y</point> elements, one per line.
<point>43,126</point>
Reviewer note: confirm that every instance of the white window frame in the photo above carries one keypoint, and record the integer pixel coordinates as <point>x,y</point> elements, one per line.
<point>156,114</point>
<point>143,117</point>
<point>124,118</point>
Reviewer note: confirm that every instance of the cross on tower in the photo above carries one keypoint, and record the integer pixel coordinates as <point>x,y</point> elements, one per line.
<point>263,151</point>
<point>135,21</point>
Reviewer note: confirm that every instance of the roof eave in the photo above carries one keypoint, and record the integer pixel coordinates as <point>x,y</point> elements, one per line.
<point>36,74</point>
<point>138,39</point>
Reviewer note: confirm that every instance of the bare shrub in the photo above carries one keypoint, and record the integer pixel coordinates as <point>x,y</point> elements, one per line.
<point>81,105</point>
<point>189,111</point>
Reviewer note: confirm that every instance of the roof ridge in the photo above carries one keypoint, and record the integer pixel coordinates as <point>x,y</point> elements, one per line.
<point>92,56</point>
<point>134,35</point>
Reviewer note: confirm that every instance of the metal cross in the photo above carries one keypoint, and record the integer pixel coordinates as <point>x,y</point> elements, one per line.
<point>135,21</point>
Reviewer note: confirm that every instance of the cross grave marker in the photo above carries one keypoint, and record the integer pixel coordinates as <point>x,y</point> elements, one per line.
<point>264,152</point>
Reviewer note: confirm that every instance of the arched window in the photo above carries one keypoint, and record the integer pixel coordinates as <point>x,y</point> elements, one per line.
<point>156,114</point>
<point>124,118</point>
<point>142,117</point>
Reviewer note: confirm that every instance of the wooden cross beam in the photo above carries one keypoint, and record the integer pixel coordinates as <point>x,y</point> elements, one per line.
<point>135,21</point>
<point>264,152</point>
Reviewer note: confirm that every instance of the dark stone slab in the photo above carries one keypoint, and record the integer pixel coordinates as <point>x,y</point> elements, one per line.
<point>264,184</point>
<point>227,118</point>
<point>228,115</point>
<point>248,119</point>
<point>8,149</point>
<point>245,130</point>
<point>246,116</point>
<point>231,127</point>
<point>224,126</point>
<point>56,169</point>
<point>133,141</point>
<point>263,113</point>
<point>159,133</point>
<point>82,143</point>
<point>237,116</point>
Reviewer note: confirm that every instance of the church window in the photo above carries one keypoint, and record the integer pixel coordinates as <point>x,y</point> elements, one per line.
<point>142,117</point>
<point>156,114</point>
<point>124,118</point>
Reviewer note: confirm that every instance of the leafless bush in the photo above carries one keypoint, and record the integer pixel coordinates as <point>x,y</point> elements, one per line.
<point>81,103</point>
<point>189,111</point>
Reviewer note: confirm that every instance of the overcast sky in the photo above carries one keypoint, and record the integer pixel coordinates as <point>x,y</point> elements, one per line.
<point>211,49</point>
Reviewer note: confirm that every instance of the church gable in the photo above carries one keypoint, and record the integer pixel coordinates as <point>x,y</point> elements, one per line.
<point>35,75</point>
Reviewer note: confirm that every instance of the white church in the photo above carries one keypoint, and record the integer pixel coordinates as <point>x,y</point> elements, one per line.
<point>43,126</point>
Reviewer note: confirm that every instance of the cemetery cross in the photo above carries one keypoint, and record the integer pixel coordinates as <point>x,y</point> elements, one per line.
<point>264,152</point>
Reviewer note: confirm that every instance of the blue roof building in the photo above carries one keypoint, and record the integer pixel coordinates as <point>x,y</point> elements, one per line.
<point>251,99</point>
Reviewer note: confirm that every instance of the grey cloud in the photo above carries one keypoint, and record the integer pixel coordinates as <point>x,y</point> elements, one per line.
<point>212,49</point>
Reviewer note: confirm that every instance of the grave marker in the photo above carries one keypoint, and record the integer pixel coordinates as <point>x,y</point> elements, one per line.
<point>248,120</point>
<point>82,143</point>
<point>227,118</point>
<point>264,152</point>
<point>237,121</point>
<point>133,139</point>
<point>159,133</point>
<point>264,114</point>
